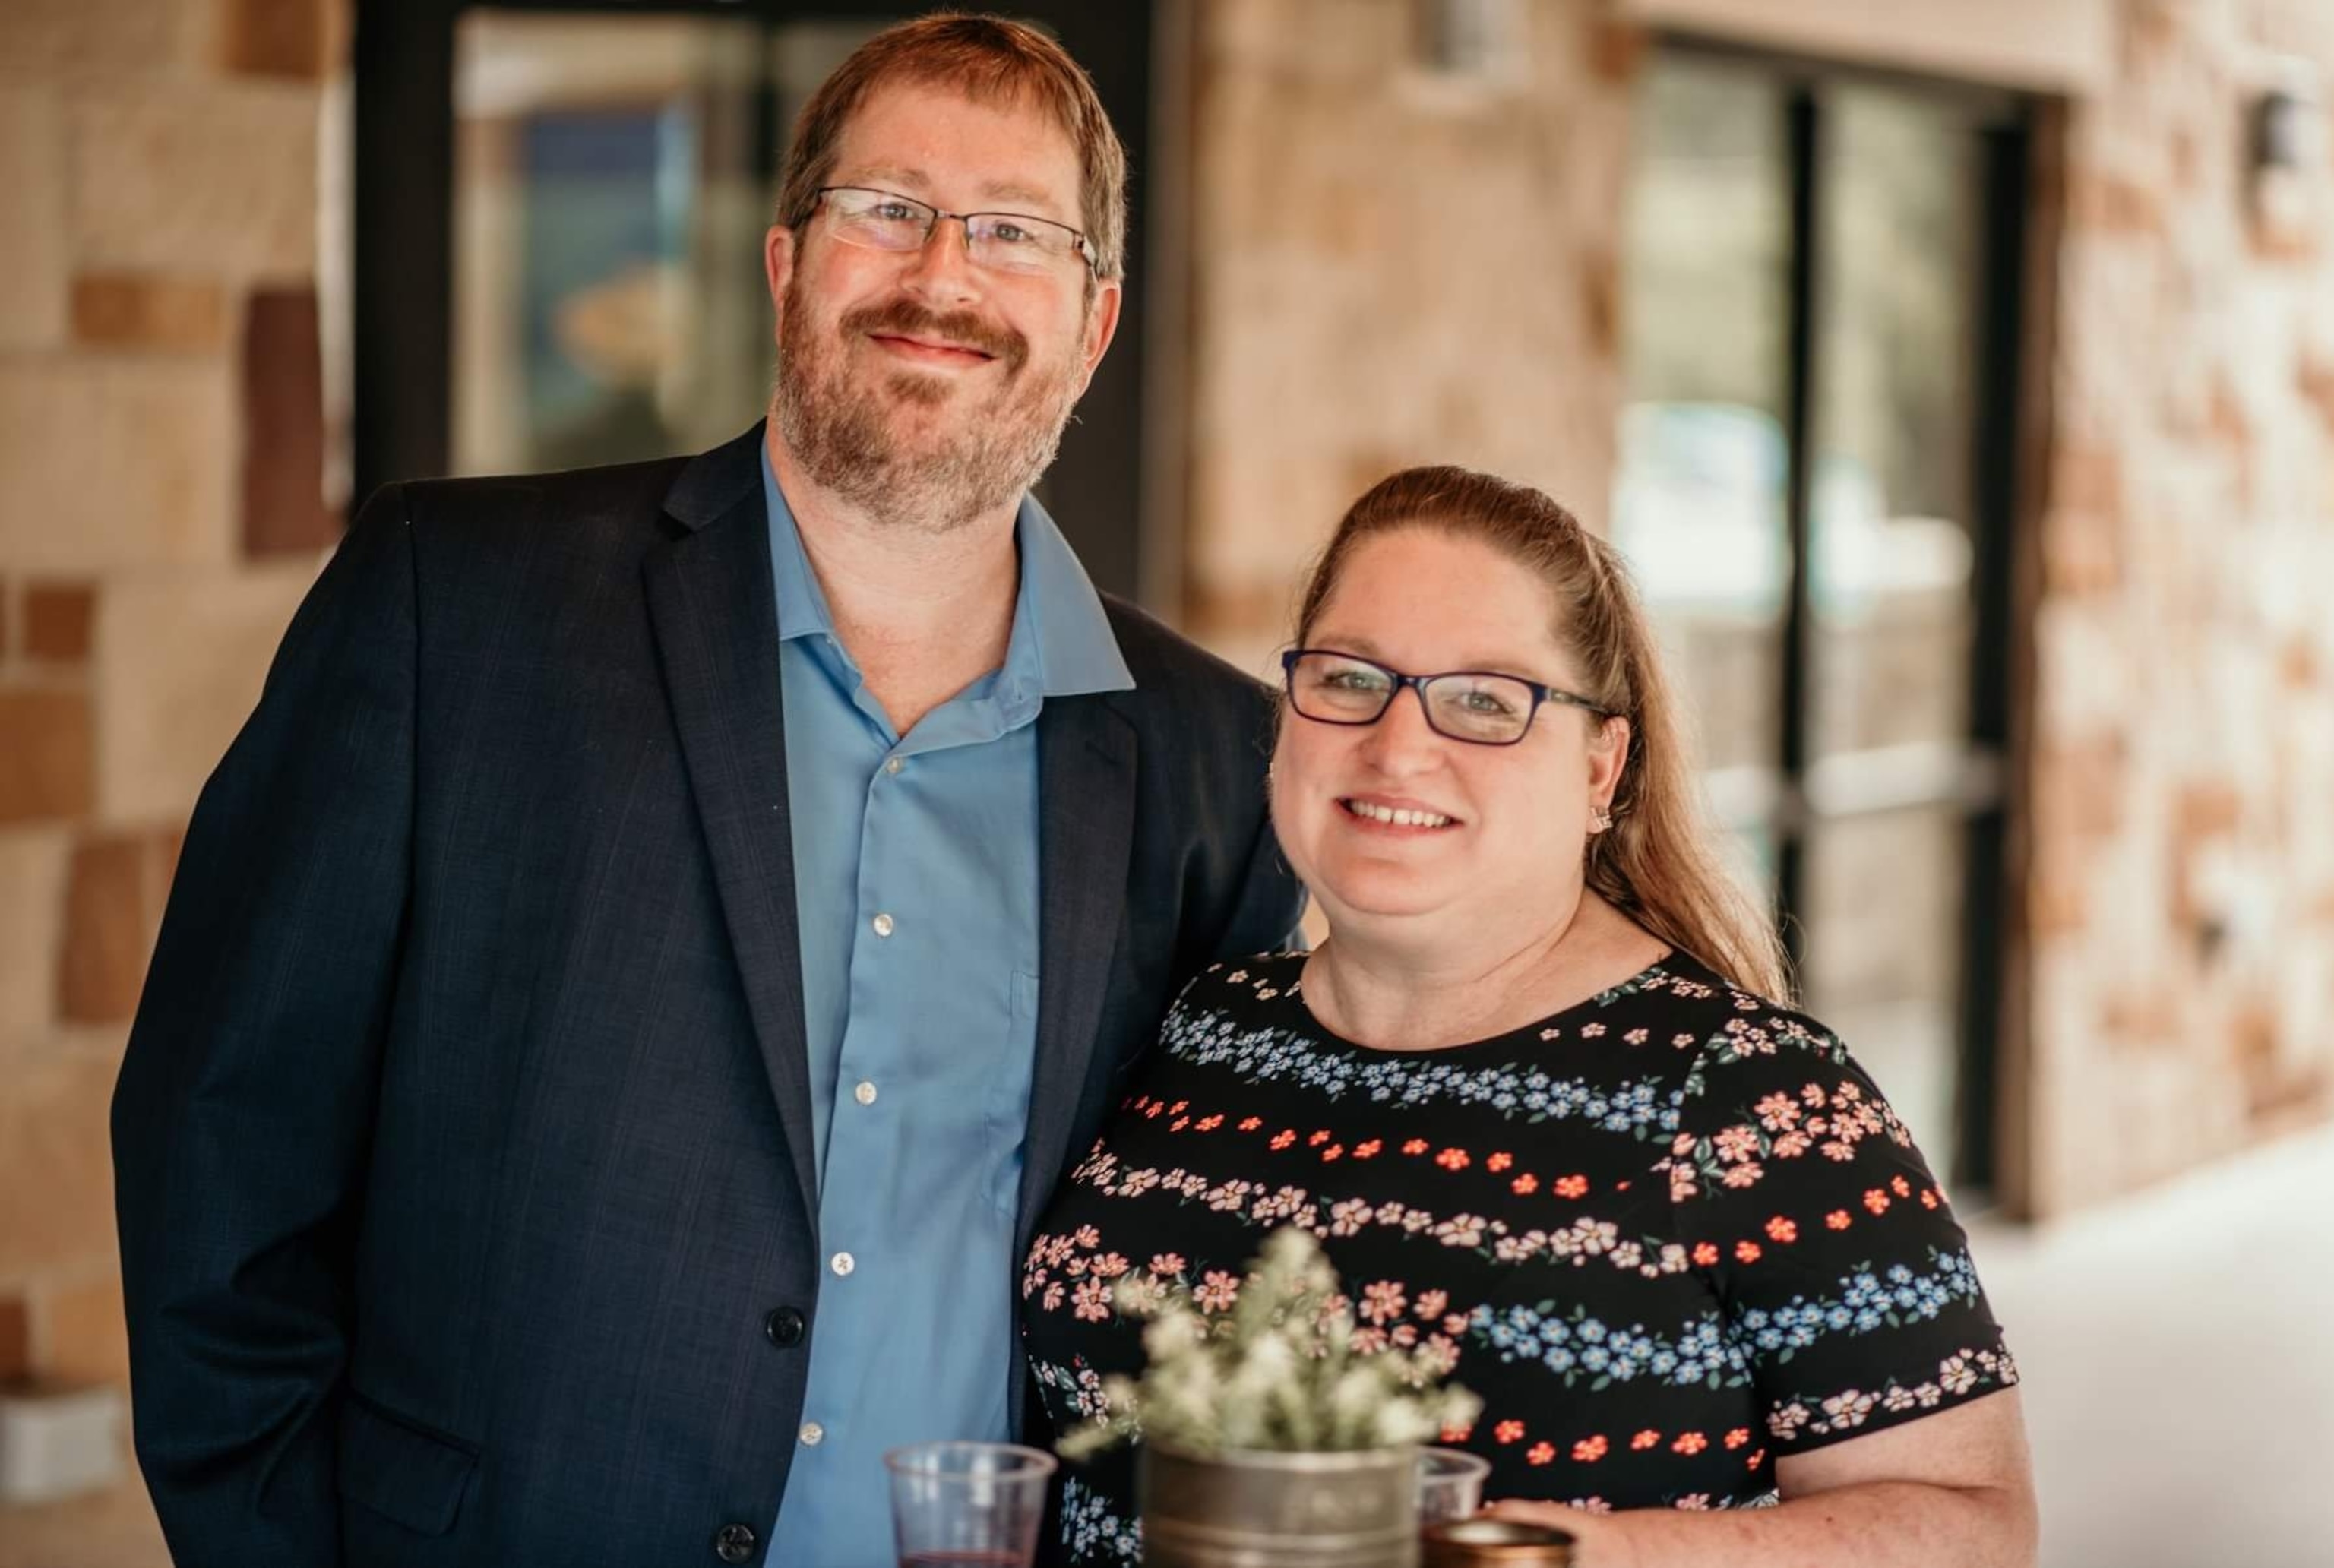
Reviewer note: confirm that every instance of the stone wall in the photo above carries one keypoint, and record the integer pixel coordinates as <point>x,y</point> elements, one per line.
<point>2182,889</point>
<point>159,185</point>
<point>1391,266</point>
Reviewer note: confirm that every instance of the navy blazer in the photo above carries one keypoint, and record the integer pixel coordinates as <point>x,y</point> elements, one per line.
<point>463,1143</point>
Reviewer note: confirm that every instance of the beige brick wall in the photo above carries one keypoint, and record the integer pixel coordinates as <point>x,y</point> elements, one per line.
<point>158,167</point>
<point>2183,904</point>
<point>1391,268</point>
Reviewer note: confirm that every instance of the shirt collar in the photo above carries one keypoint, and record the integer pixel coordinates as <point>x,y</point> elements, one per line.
<point>1061,642</point>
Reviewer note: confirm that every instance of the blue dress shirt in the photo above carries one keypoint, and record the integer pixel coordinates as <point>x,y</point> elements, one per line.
<point>916,884</point>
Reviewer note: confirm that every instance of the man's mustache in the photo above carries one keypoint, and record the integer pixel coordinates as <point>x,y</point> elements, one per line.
<point>962,328</point>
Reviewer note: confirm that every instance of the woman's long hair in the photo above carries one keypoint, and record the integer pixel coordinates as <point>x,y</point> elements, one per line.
<point>1660,862</point>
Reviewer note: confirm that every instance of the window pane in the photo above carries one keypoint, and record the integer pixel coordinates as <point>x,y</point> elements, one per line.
<point>1890,508</point>
<point>1699,505</point>
<point>1883,958</point>
<point>611,188</point>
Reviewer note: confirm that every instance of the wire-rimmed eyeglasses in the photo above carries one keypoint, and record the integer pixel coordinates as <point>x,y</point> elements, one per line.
<point>1481,707</point>
<point>1010,242</point>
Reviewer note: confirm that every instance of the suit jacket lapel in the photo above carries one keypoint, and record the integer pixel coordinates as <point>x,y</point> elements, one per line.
<point>1086,830</point>
<point>715,610</point>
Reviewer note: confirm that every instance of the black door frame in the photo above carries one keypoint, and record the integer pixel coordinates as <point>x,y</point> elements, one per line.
<point>402,244</point>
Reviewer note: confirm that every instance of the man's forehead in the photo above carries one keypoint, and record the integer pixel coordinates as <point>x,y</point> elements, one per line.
<point>916,138</point>
<point>911,181</point>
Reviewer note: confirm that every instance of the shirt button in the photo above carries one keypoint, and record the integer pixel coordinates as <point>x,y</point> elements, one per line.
<point>785,1327</point>
<point>882,924</point>
<point>842,1263</point>
<point>734,1542</point>
<point>864,1095</point>
<point>812,1434</point>
<point>893,765</point>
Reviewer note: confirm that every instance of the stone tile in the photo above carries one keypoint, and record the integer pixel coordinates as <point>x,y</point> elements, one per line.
<point>42,39</point>
<point>147,311</point>
<point>180,663</point>
<point>33,238</point>
<point>15,1339</point>
<point>108,935</point>
<point>114,464</point>
<point>273,37</point>
<point>33,870</point>
<point>56,620</point>
<point>45,755</point>
<point>84,1339</point>
<point>56,1173</point>
<point>284,505</point>
<point>197,178</point>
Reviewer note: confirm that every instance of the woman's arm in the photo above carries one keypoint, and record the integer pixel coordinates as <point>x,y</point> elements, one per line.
<point>1952,1490</point>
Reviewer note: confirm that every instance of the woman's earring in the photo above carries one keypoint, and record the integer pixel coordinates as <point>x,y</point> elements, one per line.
<point>1602,822</point>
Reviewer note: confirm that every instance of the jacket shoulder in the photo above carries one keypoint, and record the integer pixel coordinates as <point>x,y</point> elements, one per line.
<point>1155,653</point>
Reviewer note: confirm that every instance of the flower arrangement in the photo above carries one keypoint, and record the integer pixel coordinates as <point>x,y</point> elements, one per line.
<point>1278,1372</point>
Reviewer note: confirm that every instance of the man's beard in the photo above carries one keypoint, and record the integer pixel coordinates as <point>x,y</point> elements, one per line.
<point>841,428</point>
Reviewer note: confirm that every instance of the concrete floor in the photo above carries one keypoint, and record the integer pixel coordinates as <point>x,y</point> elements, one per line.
<point>2178,1355</point>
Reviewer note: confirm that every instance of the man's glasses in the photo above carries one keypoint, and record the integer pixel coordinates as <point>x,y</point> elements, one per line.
<point>1006,242</point>
<point>1479,706</point>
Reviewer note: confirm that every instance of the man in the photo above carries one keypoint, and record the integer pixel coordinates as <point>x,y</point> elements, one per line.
<point>631,986</point>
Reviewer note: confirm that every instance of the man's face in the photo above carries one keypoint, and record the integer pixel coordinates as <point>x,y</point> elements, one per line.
<point>918,384</point>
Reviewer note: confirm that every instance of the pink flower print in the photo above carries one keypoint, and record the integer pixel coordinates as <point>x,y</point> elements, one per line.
<point>1208,1123</point>
<point>1438,1357</point>
<point>1347,1218</point>
<point>1833,1149</point>
<point>1574,1185</point>
<point>1368,1151</point>
<point>1283,1139</point>
<point>1383,1301</point>
<point>1499,1162</point>
<point>1777,1112</point>
<point>1743,1175</point>
<point>1110,1266</point>
<point>1524,1186</point>
<point>1053,1302</point>
<point>1791,1145</point>
<point>1588,1450</point>
<point>1689,1443</point>
<point>1093,1301</point>
<point>1415,1145</point>
<point>1087,1236</point>
<point>1167,1264</point>
<point>1637,1036</point>
<point>1402,1335</point>
<point>1431,1304</point>
<point>1508,1431</point>
<point>1369,1341</point>
<point>1250,1123</point>
<point>1317,1139</point>
<point>1737,1143</point>
<point>1454,1160</point>
<point>1217,1291</point>
<point>1838,1219</point>
<point>1592,1030</point>
<point>1541,1454</point>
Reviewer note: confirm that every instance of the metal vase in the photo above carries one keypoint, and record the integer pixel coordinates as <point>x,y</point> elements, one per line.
<point>1267,1510</point>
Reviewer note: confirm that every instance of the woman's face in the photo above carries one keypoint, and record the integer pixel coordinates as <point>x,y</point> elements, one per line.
<point>1507,824</point>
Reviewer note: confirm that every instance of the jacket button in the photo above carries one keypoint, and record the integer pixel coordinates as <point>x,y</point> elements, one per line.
<point>784,1327</point>
<point>734,1544</point>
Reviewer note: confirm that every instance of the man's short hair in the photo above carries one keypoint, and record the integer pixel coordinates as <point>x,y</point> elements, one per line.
<point>988,59</point>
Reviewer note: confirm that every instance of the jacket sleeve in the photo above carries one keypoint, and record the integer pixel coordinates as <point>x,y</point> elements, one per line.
<point>245,1107</point>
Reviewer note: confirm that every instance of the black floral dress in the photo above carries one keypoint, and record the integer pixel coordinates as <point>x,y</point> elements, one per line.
<point>1668,1235</point>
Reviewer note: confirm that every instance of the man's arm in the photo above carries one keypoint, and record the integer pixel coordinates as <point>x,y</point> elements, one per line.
<point>1267,913</point>
<point>245,1109</point>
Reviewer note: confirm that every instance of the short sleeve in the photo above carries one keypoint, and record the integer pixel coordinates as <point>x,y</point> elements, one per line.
<point>1848,1296</point>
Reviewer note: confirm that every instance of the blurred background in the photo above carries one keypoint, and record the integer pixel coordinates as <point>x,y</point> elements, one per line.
<point>1958,377</point>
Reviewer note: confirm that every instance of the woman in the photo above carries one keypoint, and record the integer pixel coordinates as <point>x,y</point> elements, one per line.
<point>1532,1096</point>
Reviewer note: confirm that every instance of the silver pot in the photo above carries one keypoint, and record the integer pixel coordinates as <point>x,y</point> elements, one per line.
<point>1267,1510</point>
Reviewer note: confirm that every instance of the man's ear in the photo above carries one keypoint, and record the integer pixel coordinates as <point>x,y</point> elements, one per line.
<point>778,266</point>
<point>1101,326</point>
